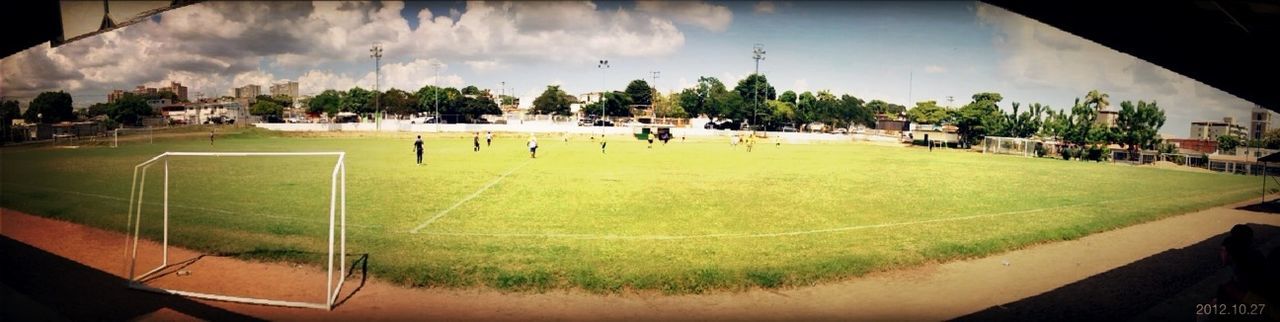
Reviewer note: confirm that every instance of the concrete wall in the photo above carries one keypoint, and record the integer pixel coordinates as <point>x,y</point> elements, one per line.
<point>551,127</point>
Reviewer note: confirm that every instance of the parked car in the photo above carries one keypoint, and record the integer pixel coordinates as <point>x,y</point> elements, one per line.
<point>840,131</point>
<point>272,119</point>
<point>789,128</point>
<point>346,117</point>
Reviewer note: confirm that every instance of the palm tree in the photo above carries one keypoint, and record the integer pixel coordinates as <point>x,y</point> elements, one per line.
<point>1097,100</point>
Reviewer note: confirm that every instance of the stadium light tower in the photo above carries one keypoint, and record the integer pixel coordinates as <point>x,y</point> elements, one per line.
<point>603,66</point>
<point>758,54</point>
<point>376,54</point>
<point>436,81</point>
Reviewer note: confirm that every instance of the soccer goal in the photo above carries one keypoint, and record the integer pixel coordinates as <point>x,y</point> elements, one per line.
<point>146,134</point>
<point>1008,145</point>
<point>337,232</point>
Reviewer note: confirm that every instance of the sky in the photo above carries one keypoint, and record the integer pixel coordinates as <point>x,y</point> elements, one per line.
<point>900,52</point>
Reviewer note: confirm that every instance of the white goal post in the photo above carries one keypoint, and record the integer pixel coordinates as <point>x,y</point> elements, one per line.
<point>115,135</point>
<point>1007,145</point>
<point>337,225</point>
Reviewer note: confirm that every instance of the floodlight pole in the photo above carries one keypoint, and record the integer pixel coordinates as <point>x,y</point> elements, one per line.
<point>436,80</point>
<point>603,66</point>
<point>758,54</point>
<point>376,54</point>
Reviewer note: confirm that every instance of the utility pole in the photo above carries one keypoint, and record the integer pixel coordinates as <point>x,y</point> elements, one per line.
<point>911,77</point>
<point>949,100</point>
<point>758,54</point>
<point>603,66</point>
<point>653,98</point>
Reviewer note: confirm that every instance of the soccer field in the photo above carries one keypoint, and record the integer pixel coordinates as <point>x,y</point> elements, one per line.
<point>685,217</point>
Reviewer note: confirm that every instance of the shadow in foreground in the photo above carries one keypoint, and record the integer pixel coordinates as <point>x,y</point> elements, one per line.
<point>79,292</point>
<point>1269,207</point>
<point>1126,292</point>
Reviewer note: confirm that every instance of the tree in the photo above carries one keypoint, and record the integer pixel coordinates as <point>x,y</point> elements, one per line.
<point>788,96</point>
<point>669,106</point>
<point>50,107</point>
<point>474,108</point>
<point>329,102</point>
<point>130,109</point>
<point>690,101</point>
<point>357,100</point>
<point>1228,143</point>
<point>470,90</point>
<point>8,113</point>
<point>552,101</point>
<point>976,119</point>
<point>807,110</point>
<point>1271,139</point>
<point>266,107</point>
<point>616,102</point>
<point>399,102</point>
<point>1096,100</point>
<point>97,109</point>
<point>927,112</point>
<point>640,92</point>
<point>755,90</point>
<point>853,111</point>
<point>1138,126</point>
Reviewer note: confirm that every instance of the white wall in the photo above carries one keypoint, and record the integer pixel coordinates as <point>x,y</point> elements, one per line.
<point>549,127</point>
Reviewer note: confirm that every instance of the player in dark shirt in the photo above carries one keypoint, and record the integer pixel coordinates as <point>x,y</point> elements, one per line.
<point>417,148</point>
<point>475,141</point>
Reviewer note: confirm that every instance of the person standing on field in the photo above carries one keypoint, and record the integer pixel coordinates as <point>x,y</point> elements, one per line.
<point>488,138</point>
<point>603,143</point>
<point>210,137</point>
<point>475,142</point>
<point>417,148</point>
<point>533,147</point>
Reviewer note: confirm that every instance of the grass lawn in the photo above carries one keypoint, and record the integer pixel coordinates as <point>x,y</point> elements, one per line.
<point>686,217</point>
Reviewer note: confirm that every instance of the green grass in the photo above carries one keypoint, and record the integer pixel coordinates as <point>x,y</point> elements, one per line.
<point>687,217</point>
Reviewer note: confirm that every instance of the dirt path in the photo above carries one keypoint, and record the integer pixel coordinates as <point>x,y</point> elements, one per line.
<point>931,292</point>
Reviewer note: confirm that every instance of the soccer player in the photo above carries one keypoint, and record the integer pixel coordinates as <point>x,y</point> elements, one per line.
<point>475,142</point>
<point>651,141</point>
<point>603,143</point>
<point>210,137</point>
<point>417,148</point>
<point>751,141</point>
<point>488,138</point>
<point>533,147</point>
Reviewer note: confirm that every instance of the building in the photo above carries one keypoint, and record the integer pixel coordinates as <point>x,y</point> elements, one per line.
<point>1259,122</point>
<point>143,90</point>
<point>177,89</point>
<point>1107,118</point>
<point>115,95</point>
<point>247,91</point>
<point>1211,130</point>
<point>1187,146</point>
<point>289,89</point>
<point>892,123</point>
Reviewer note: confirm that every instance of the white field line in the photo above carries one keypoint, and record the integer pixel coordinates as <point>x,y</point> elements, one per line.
<point>465,199</point>
<point>806,232</point>
<point>221,211</point>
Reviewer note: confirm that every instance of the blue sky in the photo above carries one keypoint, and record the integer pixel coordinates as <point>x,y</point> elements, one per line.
<point>900,52</point>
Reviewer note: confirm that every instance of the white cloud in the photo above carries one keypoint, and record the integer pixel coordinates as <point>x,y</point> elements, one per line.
<point>934,69</point>
<point>218,45</point>
<point>1041,56</point>
<point>764,7</point>
<point>800,85</point>
<point>711,17</point>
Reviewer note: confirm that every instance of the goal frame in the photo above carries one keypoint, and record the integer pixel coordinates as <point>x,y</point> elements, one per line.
<point>993,145</point>
<point>337,225</point>
<point>115,135</point>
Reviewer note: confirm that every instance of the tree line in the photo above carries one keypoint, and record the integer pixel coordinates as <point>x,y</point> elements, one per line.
<point>470,101</point>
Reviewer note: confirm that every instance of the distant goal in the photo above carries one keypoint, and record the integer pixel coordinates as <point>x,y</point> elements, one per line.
<point>1007,145</point>
<point>336,225</point>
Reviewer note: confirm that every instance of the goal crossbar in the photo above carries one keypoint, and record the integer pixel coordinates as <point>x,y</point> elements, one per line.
<point>337,226</point>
